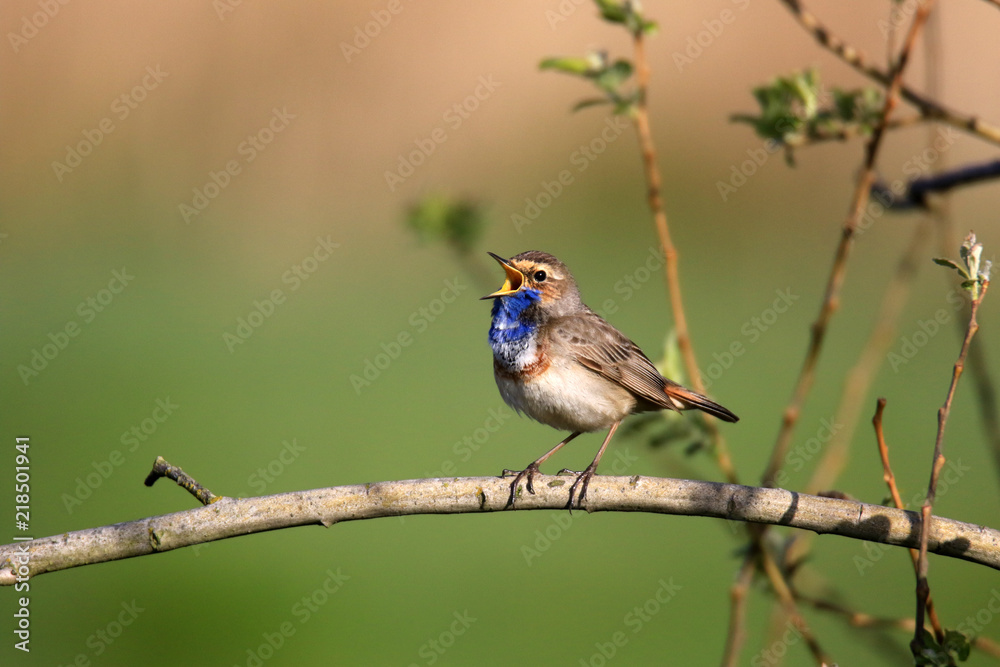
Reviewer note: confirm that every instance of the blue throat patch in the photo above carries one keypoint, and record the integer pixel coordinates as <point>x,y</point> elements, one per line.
<point>512,329</point>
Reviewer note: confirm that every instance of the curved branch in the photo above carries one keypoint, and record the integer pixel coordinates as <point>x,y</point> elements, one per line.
<point>230,517</point>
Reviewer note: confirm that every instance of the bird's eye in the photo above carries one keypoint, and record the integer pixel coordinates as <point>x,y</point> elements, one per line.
<point>539,276</point>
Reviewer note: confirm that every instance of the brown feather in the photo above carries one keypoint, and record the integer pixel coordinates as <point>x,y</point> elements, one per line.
<point>599,346</point>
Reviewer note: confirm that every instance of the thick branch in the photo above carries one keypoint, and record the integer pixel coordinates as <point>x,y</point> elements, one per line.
<point>229,517</point>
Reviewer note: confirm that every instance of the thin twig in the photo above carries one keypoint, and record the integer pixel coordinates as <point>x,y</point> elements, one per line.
<point>923,588</point>
<point>859,619</point>
<point>671,273</point>
<point>859,378</point>
<point>883,450</point>
<point>736,634</point>
<point>978,363</point>
<point>928,107</point>
<point>831,300</point>
<point>915,195</point>
<point>823,136</point>
<point>784,592</point>
<point>232,517</point>
<point>890,480</point>
<point>163,469</point>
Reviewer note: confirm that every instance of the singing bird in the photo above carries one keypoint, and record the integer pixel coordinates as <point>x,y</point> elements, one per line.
<point>562,364</point>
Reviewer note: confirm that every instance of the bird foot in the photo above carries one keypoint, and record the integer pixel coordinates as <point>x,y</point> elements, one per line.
<point>582,481</point>
<point>528,472</point>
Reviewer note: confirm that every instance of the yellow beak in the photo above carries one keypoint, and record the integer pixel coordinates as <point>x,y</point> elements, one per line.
<point>513,281</point>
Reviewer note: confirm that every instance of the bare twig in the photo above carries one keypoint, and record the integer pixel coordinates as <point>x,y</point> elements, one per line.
<point>883,450</point>
<point>784,592</point>
<point>923,588</point>
<point>231,517</point>
<point>824,136</point>
<point>917,190</point>
<point>831,300</point>
<point>859,619</point>
<point>163,469</point>
<point>890,480</point>
<point>736,634</point>
<point>671,273</point>
<point>928,107</point>
<point>859,378</point>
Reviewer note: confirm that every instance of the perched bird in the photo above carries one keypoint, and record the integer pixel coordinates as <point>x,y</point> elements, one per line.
<point>562,364</point>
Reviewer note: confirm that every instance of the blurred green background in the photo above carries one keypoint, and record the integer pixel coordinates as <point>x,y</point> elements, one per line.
<point>308,128</point>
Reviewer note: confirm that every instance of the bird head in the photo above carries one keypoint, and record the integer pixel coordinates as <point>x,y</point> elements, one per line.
<point>541,276</point>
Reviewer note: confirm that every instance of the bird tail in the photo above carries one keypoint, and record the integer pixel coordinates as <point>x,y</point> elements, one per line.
<point>685,399</point>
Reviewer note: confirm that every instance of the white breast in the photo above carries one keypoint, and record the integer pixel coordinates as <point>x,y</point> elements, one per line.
<point>568,397</point>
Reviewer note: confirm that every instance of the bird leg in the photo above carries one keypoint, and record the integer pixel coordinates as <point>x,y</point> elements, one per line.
<point>532,469</point>
<point>589,472</point>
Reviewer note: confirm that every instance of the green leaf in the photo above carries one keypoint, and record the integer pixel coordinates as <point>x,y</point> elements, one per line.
<point>943,261</point>
<point>611,11</point>
<point>440,218</point>
<point>957,644</point>
<point>614,76</point>
<point>578,66</point>
<point>590,102</point>
<point>795,109</point>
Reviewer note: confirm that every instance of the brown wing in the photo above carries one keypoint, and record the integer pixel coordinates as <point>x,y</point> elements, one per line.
<point>603,349</point>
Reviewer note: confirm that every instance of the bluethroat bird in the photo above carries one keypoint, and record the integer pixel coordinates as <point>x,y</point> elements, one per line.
<point>562,364</point>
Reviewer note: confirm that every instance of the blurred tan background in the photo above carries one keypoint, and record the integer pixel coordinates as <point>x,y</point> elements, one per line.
<point>277,123</point>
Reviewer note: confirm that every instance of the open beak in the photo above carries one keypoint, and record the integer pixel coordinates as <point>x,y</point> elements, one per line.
<point>513,281</point>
